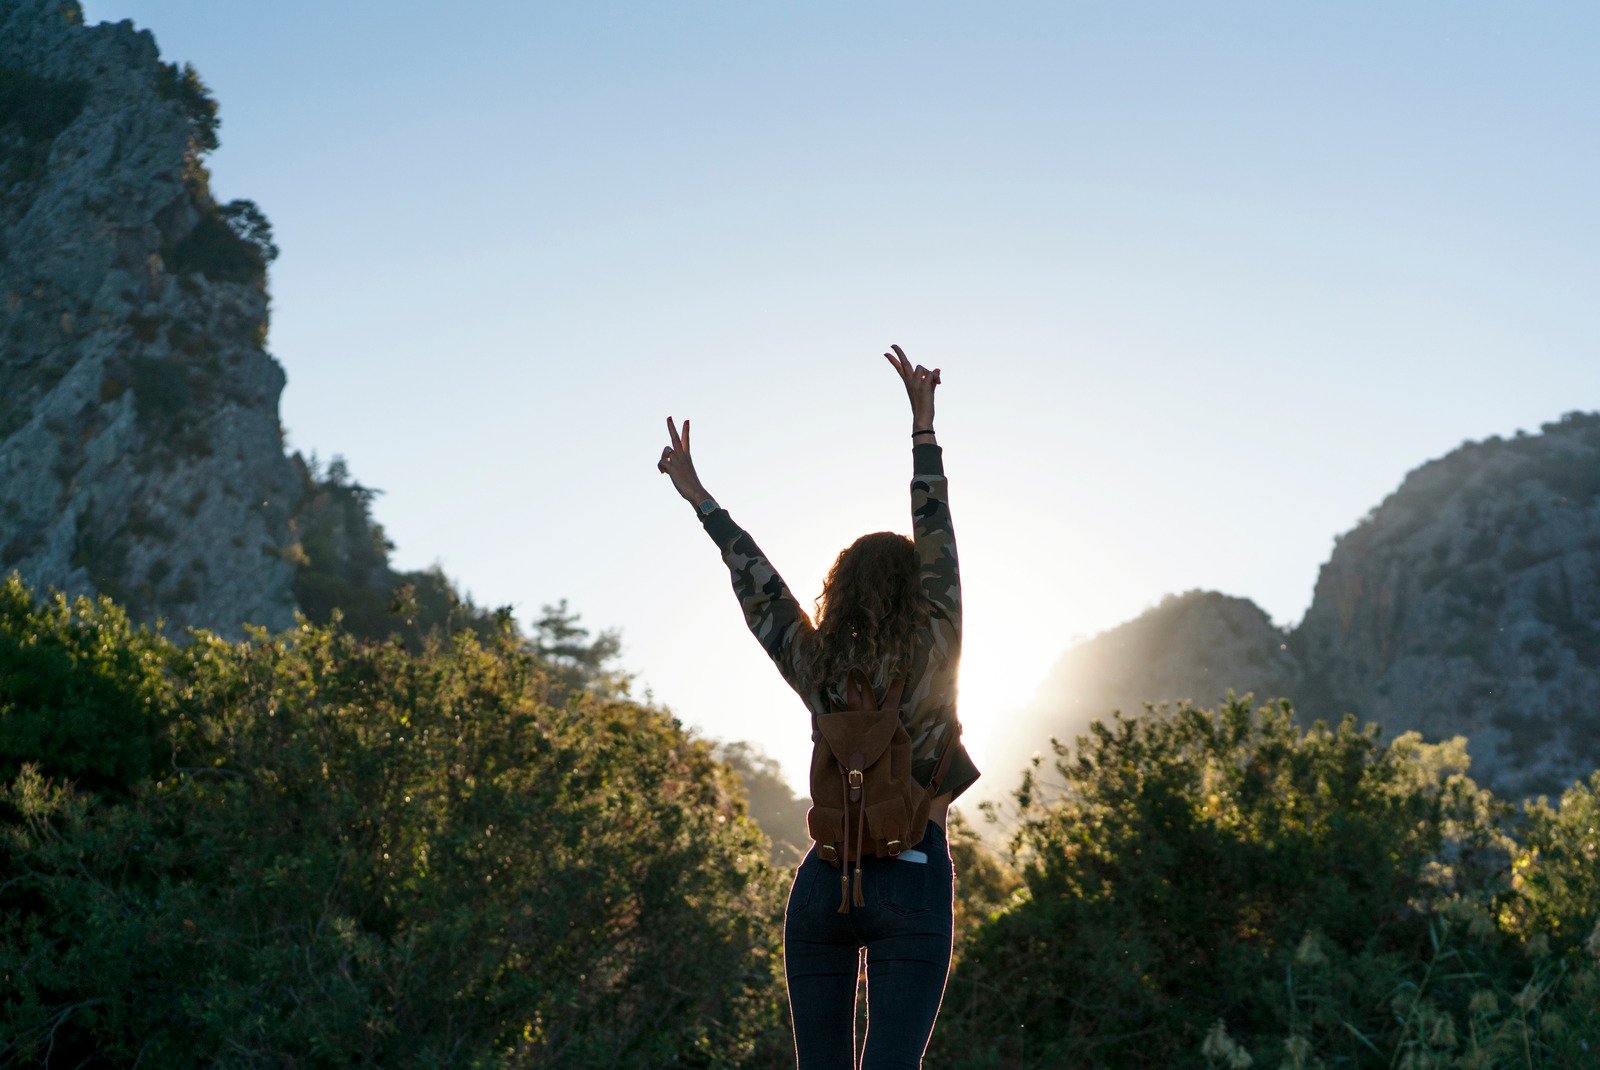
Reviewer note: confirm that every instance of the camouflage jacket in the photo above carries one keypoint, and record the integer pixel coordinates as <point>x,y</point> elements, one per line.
<point>779,623</point>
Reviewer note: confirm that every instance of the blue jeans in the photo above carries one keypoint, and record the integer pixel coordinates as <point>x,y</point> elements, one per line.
<point>905,927</point>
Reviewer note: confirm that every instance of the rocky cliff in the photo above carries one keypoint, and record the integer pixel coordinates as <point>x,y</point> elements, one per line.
<point>140,450</point>
<point>141,454</point>
<point>1467,603</point>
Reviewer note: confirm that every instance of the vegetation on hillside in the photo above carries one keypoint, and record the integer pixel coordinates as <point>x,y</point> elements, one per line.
<point>313,850</point>
<point>229,242</point>
<point>33,112</point>
<point>183,85</point>
<point>343,567</point>
<point>1223,888</point>
<point>327,850</point>
<point>772,803</point>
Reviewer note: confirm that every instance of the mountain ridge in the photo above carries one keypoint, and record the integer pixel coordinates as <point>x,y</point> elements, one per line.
<point>1467,602</point>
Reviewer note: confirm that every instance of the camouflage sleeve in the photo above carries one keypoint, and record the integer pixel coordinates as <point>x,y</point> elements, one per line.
<point>935,538</point>
<point>772,613</point>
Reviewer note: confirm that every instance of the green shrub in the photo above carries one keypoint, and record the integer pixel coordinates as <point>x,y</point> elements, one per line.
<point>82,692</point>
<point>171,398</point>
<point>183,85</point>
<point>215,250</point>
<point>1469,998</point>
<point>1190,854</point>
<point>111,389</point>
<point>33,113</point>
<point>363,856</point>
<point>985,882</point>
<point>164,393</point>
<point>250,224</point>
<point>313,849</point>
<point>1557,872</point>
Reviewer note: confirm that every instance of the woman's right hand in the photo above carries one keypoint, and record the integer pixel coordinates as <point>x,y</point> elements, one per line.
<point>677,463</point>
<point>919,382</point>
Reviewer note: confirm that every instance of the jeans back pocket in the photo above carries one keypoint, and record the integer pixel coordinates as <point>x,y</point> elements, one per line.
<point>906,886</point>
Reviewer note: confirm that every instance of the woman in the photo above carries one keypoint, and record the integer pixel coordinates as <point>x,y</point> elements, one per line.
<point>892,606</point>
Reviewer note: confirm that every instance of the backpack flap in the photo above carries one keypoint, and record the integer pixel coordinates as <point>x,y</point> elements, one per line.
<point>857,738</point>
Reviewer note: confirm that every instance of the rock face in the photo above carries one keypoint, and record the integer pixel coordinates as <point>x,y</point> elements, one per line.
<point>140,450</point>
<point>1467,603</point>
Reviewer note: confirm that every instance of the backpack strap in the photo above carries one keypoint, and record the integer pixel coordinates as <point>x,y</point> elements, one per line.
<point>945,754</point>
<point>859,694</point>
<point>858,691</point>
<point>891,698</point>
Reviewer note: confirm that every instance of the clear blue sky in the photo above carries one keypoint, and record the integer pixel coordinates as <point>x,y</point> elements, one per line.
<point>1205,281</point>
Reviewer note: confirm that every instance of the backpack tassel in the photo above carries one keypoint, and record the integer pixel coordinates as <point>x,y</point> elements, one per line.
<point>860,819</point>
<point>844,867</point>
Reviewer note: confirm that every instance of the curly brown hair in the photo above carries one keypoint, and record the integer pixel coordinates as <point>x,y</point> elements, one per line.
<point>871,612</point>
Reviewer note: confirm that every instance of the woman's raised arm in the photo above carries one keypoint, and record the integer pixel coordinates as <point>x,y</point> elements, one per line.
<point>930,497</point>
<point>773,615</point>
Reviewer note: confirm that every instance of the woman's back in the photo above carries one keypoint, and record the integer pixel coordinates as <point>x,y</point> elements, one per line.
<point>932,657</point>
<point>892,608</point>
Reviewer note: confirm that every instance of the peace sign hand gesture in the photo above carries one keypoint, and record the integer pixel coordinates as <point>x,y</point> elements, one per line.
<point>677,463</point>
<point>920,383</point>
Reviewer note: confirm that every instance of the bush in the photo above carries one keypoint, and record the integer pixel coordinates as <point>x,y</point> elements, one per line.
<point>985,882</point>
<point>1557,872</point>
<point>168,394</point>
<point>33,113</point>
<point>354,855</point>
<point>312,849</point>
<point>250,224</point>
<point>216,250</point>
<point>1192,857</point>
<point>183,85</point>
<point>81,691</point>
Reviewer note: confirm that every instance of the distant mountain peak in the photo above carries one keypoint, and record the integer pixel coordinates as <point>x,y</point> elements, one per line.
<point>1466,603</point>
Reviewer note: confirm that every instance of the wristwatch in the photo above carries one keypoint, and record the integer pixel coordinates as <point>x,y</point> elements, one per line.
<point>707,507</point>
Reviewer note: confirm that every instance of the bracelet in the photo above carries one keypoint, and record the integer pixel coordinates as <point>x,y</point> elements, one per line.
<point>924,431</point>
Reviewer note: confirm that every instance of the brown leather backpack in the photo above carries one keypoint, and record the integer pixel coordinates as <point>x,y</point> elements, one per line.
<point>864,798</point>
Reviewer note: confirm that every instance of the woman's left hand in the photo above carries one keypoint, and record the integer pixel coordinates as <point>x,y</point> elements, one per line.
<point>920,383</point>
<point>677,463</point>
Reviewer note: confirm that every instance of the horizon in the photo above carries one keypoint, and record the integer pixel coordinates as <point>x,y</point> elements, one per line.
<point>1171,267</point>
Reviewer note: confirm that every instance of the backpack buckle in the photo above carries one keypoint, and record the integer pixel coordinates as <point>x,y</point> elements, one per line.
<point>855,778</point>
<point>895,847</point>
<point>827,852</point>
